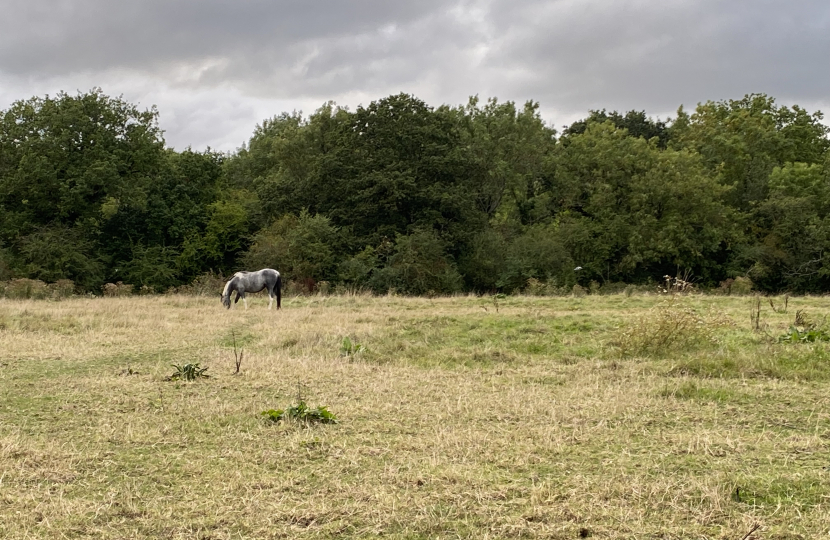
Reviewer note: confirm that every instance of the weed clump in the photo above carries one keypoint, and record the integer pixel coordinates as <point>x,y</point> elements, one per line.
<point>348,348</point>
<point>666,328</point>
<point>301,413</point>
<point>188,372</point>
<point>804,331</point>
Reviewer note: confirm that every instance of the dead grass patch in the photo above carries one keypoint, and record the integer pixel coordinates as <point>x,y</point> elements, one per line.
<point>456,421</point>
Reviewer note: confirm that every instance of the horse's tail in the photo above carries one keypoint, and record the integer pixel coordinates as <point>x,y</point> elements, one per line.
<point>279,290</point>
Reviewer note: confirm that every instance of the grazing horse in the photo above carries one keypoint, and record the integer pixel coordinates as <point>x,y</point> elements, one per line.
<point>243,282</point>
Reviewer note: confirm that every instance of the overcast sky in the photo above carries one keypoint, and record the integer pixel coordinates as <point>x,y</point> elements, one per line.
<point>216,68</point>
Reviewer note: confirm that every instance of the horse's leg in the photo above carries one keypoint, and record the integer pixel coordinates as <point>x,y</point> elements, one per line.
<point>245,301</point>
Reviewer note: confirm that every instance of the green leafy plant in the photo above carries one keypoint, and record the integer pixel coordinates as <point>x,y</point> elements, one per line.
<point>803,330</point>
<point>347,348</point>
<point>188,372</point>
<point>301,413</point>
<point>804,335</point>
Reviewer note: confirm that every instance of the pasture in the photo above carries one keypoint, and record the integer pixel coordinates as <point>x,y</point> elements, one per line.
<point>462,417</point>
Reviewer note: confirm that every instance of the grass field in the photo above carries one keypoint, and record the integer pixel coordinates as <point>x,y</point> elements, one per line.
<point>601,416</point>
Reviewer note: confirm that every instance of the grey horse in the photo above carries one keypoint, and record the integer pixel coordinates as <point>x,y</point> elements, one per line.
<point>243,282</point>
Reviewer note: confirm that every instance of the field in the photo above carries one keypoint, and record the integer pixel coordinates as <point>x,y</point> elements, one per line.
<point>467,417</point>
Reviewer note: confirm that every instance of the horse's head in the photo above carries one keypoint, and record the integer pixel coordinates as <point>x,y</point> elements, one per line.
<point>226,294</point>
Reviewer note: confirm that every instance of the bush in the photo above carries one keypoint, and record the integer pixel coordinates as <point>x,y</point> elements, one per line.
<point>666,328</point>
<point>741,285</point>
<point>418,266</point>
<point>209,284</point>
<point>541,288</point>
<point>63,288</point>
<point>24,288</point>
<point>614,288</point>
<point>483,260</point>
<point>538,254</point>
<point>300,247</point>
<point>117,289</point>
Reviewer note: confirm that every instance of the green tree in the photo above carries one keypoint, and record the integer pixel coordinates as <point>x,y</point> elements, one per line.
<point>67,164</point>
<point>627,210</point>
<point>744,140</point>
<point>792,227</point>
<point>505,153</point>
<point>300,247</point>
<point>636,123</point>
<point>419,265</point>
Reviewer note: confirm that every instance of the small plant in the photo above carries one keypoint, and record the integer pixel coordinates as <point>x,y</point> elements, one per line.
<point>804,331</point>
<point>805,335</point>
<point>347,348</point>
<point>677,284</point>
<point>755,313</point>
<point>188,372</point>
<point>237,357</point>
<point>301,413</point>
<point>783,308</point>
<point>496,298</point>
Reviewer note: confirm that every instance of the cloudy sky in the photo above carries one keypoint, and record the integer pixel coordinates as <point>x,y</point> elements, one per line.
<point>216,68</point>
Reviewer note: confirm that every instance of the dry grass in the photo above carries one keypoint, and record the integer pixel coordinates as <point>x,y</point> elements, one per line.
<point>455,421</point>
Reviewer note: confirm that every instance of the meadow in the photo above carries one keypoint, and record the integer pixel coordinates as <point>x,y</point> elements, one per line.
<point>617,416</point>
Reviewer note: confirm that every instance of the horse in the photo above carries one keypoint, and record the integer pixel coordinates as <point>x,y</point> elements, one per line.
<point>243,282</point>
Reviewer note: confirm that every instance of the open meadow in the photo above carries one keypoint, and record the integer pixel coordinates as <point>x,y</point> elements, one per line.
<point>464,417</point>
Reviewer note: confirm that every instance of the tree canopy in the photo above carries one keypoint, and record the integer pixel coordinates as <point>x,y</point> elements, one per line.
<point>398,194</point>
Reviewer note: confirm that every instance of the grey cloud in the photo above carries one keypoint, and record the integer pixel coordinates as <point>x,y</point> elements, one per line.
<point>657,55</point>
<point>100,34</point>
<point>570,55</point>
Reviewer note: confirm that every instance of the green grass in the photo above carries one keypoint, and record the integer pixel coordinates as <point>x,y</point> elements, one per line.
<point>455,421</point>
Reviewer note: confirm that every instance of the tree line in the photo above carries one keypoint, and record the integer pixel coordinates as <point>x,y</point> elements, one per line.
<point>423,200</point>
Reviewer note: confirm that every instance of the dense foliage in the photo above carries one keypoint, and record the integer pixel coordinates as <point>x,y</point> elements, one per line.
<point>400,195</point>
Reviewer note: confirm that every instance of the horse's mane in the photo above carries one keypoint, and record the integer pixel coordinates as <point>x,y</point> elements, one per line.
<point>226,290</point>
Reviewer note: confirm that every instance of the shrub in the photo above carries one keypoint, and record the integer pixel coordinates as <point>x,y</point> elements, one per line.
<point>741,285</point>
<point>63,288</point>
<point>537,253</point>
<point>208,284</point>
<point>24,288</point>
<point>298,246</point>
<point>418,266</point>
<point>614,287</point>
<point>117,289</point>
<point>536,287</point>
<point>666,328</point>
